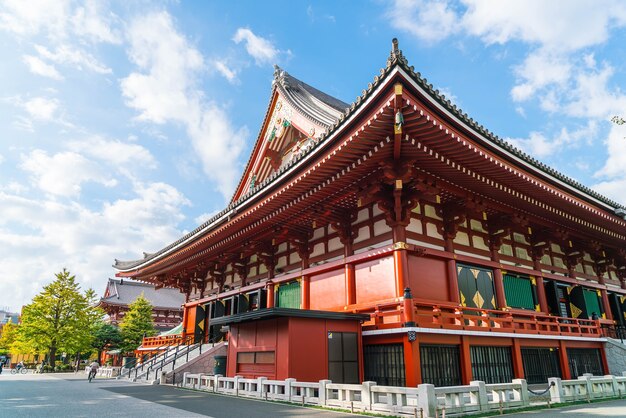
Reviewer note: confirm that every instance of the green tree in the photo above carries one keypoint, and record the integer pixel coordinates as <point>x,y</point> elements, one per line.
<point>106,336</point>
<point>59,318</point>
<point>136,324</point>
<point>7,338</point>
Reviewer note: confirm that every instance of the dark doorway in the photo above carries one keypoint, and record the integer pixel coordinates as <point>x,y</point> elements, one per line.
<point>584,360</point>
<point>440,364</point>
<point>343,357</point>
<point>384,364</point>
<point>491,364</point>
<point>540,364</point>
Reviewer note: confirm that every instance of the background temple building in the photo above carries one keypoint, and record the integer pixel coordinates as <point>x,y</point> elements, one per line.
<point>166,303</point>
<point>396,240</point>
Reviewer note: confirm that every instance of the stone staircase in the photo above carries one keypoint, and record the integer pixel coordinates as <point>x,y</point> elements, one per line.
<point>168,362</point>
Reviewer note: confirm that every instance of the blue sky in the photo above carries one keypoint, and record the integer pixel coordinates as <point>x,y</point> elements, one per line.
<point>126,124</point>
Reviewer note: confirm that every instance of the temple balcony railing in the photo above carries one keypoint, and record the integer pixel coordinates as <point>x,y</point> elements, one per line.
<point>164,341</point>
<point>455,317</point>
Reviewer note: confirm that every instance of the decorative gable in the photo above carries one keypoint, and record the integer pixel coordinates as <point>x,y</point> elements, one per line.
<point>286,134</point>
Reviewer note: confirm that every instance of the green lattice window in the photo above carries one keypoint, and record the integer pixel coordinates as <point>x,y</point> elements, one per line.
<point>591,303</point>
<point>289,295</point>
<point>519,292</point>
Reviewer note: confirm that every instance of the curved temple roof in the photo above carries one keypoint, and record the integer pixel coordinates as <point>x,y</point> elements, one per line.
<point>333,113</point>
<point>313,103</point>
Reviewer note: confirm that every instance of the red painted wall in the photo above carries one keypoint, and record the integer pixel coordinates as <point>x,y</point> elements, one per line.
<point>300,346</point>
<point>428,278</point>
<point>375,280</point>
<point>328,290</point>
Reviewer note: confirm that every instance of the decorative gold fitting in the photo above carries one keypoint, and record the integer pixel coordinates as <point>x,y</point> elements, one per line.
<point>398,89</point>
<point>400,246</point>
<point>398,184</point>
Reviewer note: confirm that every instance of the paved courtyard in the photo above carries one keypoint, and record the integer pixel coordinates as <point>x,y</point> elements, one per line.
<point>68,395</point>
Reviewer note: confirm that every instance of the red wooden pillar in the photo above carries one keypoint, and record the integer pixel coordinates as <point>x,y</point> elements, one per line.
<point>453,281</point>
<point>541,294</point>
<point>350,284</point>
<point>305,293</point>
<point>605,363</point>
<point>413,371</point>
<point>499,286</point>
<point>563,361</point>
<point>518,364</point>
<point>400,264</point>
<point>466,361</point>
<point>349,273</point>
<point>400,259</point>
<point>270,295</point>
<point>605,304</point>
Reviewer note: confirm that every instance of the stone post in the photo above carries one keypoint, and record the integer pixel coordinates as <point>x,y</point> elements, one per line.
<point>259,386</point>
<point>523,394</point>
<point>556,390</point>
<point>322,391</point>
<point>236,385</point>
<point>366,394</point>
<point>216,382</point>
<point>481,399</point>
<point>185,379</point>
<point>426,399</point>
<point>614,384</point>
<point>288,383</point>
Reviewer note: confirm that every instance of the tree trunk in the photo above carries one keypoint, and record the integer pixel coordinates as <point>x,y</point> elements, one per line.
<point>53,355</point>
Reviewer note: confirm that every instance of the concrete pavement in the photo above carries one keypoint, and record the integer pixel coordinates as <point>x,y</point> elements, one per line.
<point>70,395</point>
<point>593,410</point>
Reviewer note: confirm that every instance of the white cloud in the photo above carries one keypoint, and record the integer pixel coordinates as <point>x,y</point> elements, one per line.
<point>41,108</point>
<point>60,20</point>
<point>1,159</point>
<point>262,50</point>
<point>62,174</point>
<point>565,26</point>
<point>229,73</point>
<point>37,66</point>
<point>65,54</point>
<point>538,145</point>
<point>615,166</point>
<point>31,17</point>
<point>428,20</point>
<point>539,69</point>
<point>166,90</point>
<point>200,219</point>
<point>114,152</point>
<point>86,241</point>
<point>92,22</point>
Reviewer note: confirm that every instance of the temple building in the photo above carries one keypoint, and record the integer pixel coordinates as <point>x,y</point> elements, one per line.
<point>167,311</point>
<point>396,240</point>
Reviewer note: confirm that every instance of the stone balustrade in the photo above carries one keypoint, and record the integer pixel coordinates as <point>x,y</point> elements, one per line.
<point>424,401</point>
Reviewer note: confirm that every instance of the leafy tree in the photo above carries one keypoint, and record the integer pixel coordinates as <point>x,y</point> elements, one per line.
<point>59,318</point>
<point>136,324</point>
<point>106,336</point>
<point>8,336</point>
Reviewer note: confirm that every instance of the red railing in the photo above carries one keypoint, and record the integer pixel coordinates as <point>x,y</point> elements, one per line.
<point>163,341</point>
<point>463,318</point>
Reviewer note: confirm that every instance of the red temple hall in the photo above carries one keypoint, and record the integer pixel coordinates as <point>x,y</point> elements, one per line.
<point>396,240</point>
